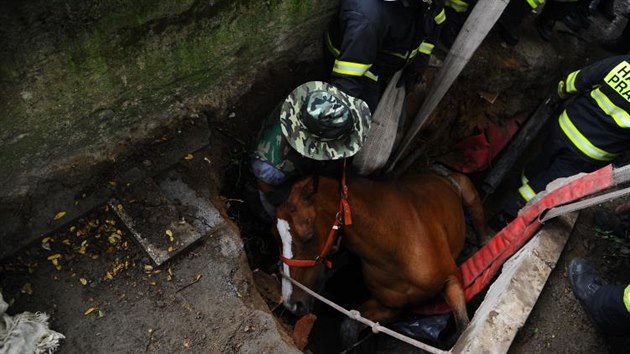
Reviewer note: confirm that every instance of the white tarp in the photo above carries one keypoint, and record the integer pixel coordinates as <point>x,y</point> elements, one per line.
<point>26,332</point>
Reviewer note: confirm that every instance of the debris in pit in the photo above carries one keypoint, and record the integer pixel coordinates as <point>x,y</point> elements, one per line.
<point>166,205</point>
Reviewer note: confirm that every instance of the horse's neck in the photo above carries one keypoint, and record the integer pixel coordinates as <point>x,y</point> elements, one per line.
<point>328,207</point>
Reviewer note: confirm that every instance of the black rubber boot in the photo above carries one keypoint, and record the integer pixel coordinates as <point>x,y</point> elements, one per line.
<point>545,29</point>
<point>603,303</point>
<point>509,34</point>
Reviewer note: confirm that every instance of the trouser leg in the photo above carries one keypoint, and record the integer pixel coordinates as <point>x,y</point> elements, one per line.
<point>555,161</point>
<point>609,311</point>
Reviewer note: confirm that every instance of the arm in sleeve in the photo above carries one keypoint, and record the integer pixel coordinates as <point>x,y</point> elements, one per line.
<point>359,47</point>
<point>584,79</point>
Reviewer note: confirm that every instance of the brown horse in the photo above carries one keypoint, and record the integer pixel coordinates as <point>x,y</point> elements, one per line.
<point>407,234</point>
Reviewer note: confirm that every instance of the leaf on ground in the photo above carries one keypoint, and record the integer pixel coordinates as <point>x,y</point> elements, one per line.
<point>59,215</point>
<point>90,310</point>
<point>188,157</point>
<point>27,289</point>
<point>83,281</point>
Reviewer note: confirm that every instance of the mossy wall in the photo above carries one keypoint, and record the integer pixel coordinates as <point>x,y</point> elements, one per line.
<point>77,73</point>
<point>79,78</point>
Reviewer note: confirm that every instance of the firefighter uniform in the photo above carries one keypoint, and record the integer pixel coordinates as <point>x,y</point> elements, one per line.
<point>372,39</point>
<point>608,306</point>
<point>513,16</point>
<point>590,132</point>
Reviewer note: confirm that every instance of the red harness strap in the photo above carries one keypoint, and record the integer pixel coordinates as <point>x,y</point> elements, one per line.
<point>343,217</point>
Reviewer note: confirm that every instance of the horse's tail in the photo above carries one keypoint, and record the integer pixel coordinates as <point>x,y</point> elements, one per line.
<point>470,198</point>
<point>472,203</point>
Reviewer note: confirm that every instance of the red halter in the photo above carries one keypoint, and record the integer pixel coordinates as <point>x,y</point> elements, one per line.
<point>343,217</point>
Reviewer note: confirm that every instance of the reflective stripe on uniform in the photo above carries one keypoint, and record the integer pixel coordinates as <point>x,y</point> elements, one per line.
<point>335,52</point>
<point>626,298</point>
<point>581,142</point>
<point>571,82</point>
<point>371,75</point>
<point>457,5</point>
<point>397,55</point>
<point>441,17</point>
<point>621,117</point>
<point>350,68</point>
<point>426,48</point>
<point>535,3</point>
<point>526,190</point>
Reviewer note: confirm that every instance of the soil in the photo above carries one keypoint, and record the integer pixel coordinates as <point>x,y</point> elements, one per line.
<point>102,292</point>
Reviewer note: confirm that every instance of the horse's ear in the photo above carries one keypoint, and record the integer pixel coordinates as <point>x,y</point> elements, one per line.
<point>309,187</point>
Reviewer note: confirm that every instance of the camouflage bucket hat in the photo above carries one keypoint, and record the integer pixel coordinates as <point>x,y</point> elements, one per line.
<point>322,123</point>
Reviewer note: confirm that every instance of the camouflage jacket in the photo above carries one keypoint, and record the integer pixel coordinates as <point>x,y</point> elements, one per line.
<point>275,153</point>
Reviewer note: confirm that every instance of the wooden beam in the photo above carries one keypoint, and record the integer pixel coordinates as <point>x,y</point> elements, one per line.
<point>513,295</point>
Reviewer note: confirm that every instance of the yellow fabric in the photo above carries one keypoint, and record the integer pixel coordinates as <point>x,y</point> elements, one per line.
<point>370,75</point>
<point>619,79</point>
<point>398,55</point>
<point>440,18</point>
<point>619,115</point>
<point>350,68</point>
<point>571,82</point>
<point>426,48</point>
<point>535,3</point>
<point>581,142</point>
<point>626,298</point>
<point>335,52</point>
<point>457,5</point>
<point>526,192</point>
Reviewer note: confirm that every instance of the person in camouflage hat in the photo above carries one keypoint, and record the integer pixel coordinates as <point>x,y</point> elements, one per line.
<point>316,122</point>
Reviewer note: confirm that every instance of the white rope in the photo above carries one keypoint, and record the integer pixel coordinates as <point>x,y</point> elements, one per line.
<point>356,315</point>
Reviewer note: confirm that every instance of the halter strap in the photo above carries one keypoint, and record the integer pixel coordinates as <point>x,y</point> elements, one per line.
<point>343,217</point>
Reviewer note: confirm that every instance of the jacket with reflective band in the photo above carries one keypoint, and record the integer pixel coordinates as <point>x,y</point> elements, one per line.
<point>371,38</point>
<point>598,121</point>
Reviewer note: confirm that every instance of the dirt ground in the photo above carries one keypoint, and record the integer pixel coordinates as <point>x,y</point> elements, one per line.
<point>99,286</point>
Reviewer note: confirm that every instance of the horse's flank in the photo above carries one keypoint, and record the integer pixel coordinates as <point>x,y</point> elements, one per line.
<point>407,234</point>
<point>404,231</point>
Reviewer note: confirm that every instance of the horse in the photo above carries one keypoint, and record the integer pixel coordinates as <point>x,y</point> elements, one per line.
<point>407,234</point>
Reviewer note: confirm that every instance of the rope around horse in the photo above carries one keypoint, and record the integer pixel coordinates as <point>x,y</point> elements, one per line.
<point>356,315</point>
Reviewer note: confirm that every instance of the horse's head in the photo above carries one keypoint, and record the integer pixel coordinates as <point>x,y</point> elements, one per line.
<point>301,245</point>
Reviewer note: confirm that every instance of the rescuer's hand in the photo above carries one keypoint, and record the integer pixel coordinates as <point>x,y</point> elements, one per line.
<point>562,93</point>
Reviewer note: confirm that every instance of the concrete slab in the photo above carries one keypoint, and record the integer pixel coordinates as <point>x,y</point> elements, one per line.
<point>166,216</point>
<point>512,296</point>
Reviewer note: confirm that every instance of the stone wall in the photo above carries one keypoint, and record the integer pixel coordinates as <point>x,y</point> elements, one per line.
<point>83,81</point>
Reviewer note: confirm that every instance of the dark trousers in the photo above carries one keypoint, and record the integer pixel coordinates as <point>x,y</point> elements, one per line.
<point>557,159</point>
<point>514,14</point>
<point>609,312</point>
<point>554,11</point>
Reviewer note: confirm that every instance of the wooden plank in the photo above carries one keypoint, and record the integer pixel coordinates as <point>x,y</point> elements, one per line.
<point>482,18</point>
<point>512,296</point>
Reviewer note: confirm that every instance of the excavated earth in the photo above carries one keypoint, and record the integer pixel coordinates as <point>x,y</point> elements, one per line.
<point>219,295</point>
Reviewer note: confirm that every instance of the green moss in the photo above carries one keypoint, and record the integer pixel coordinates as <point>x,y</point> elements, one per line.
<point>120,64</point>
